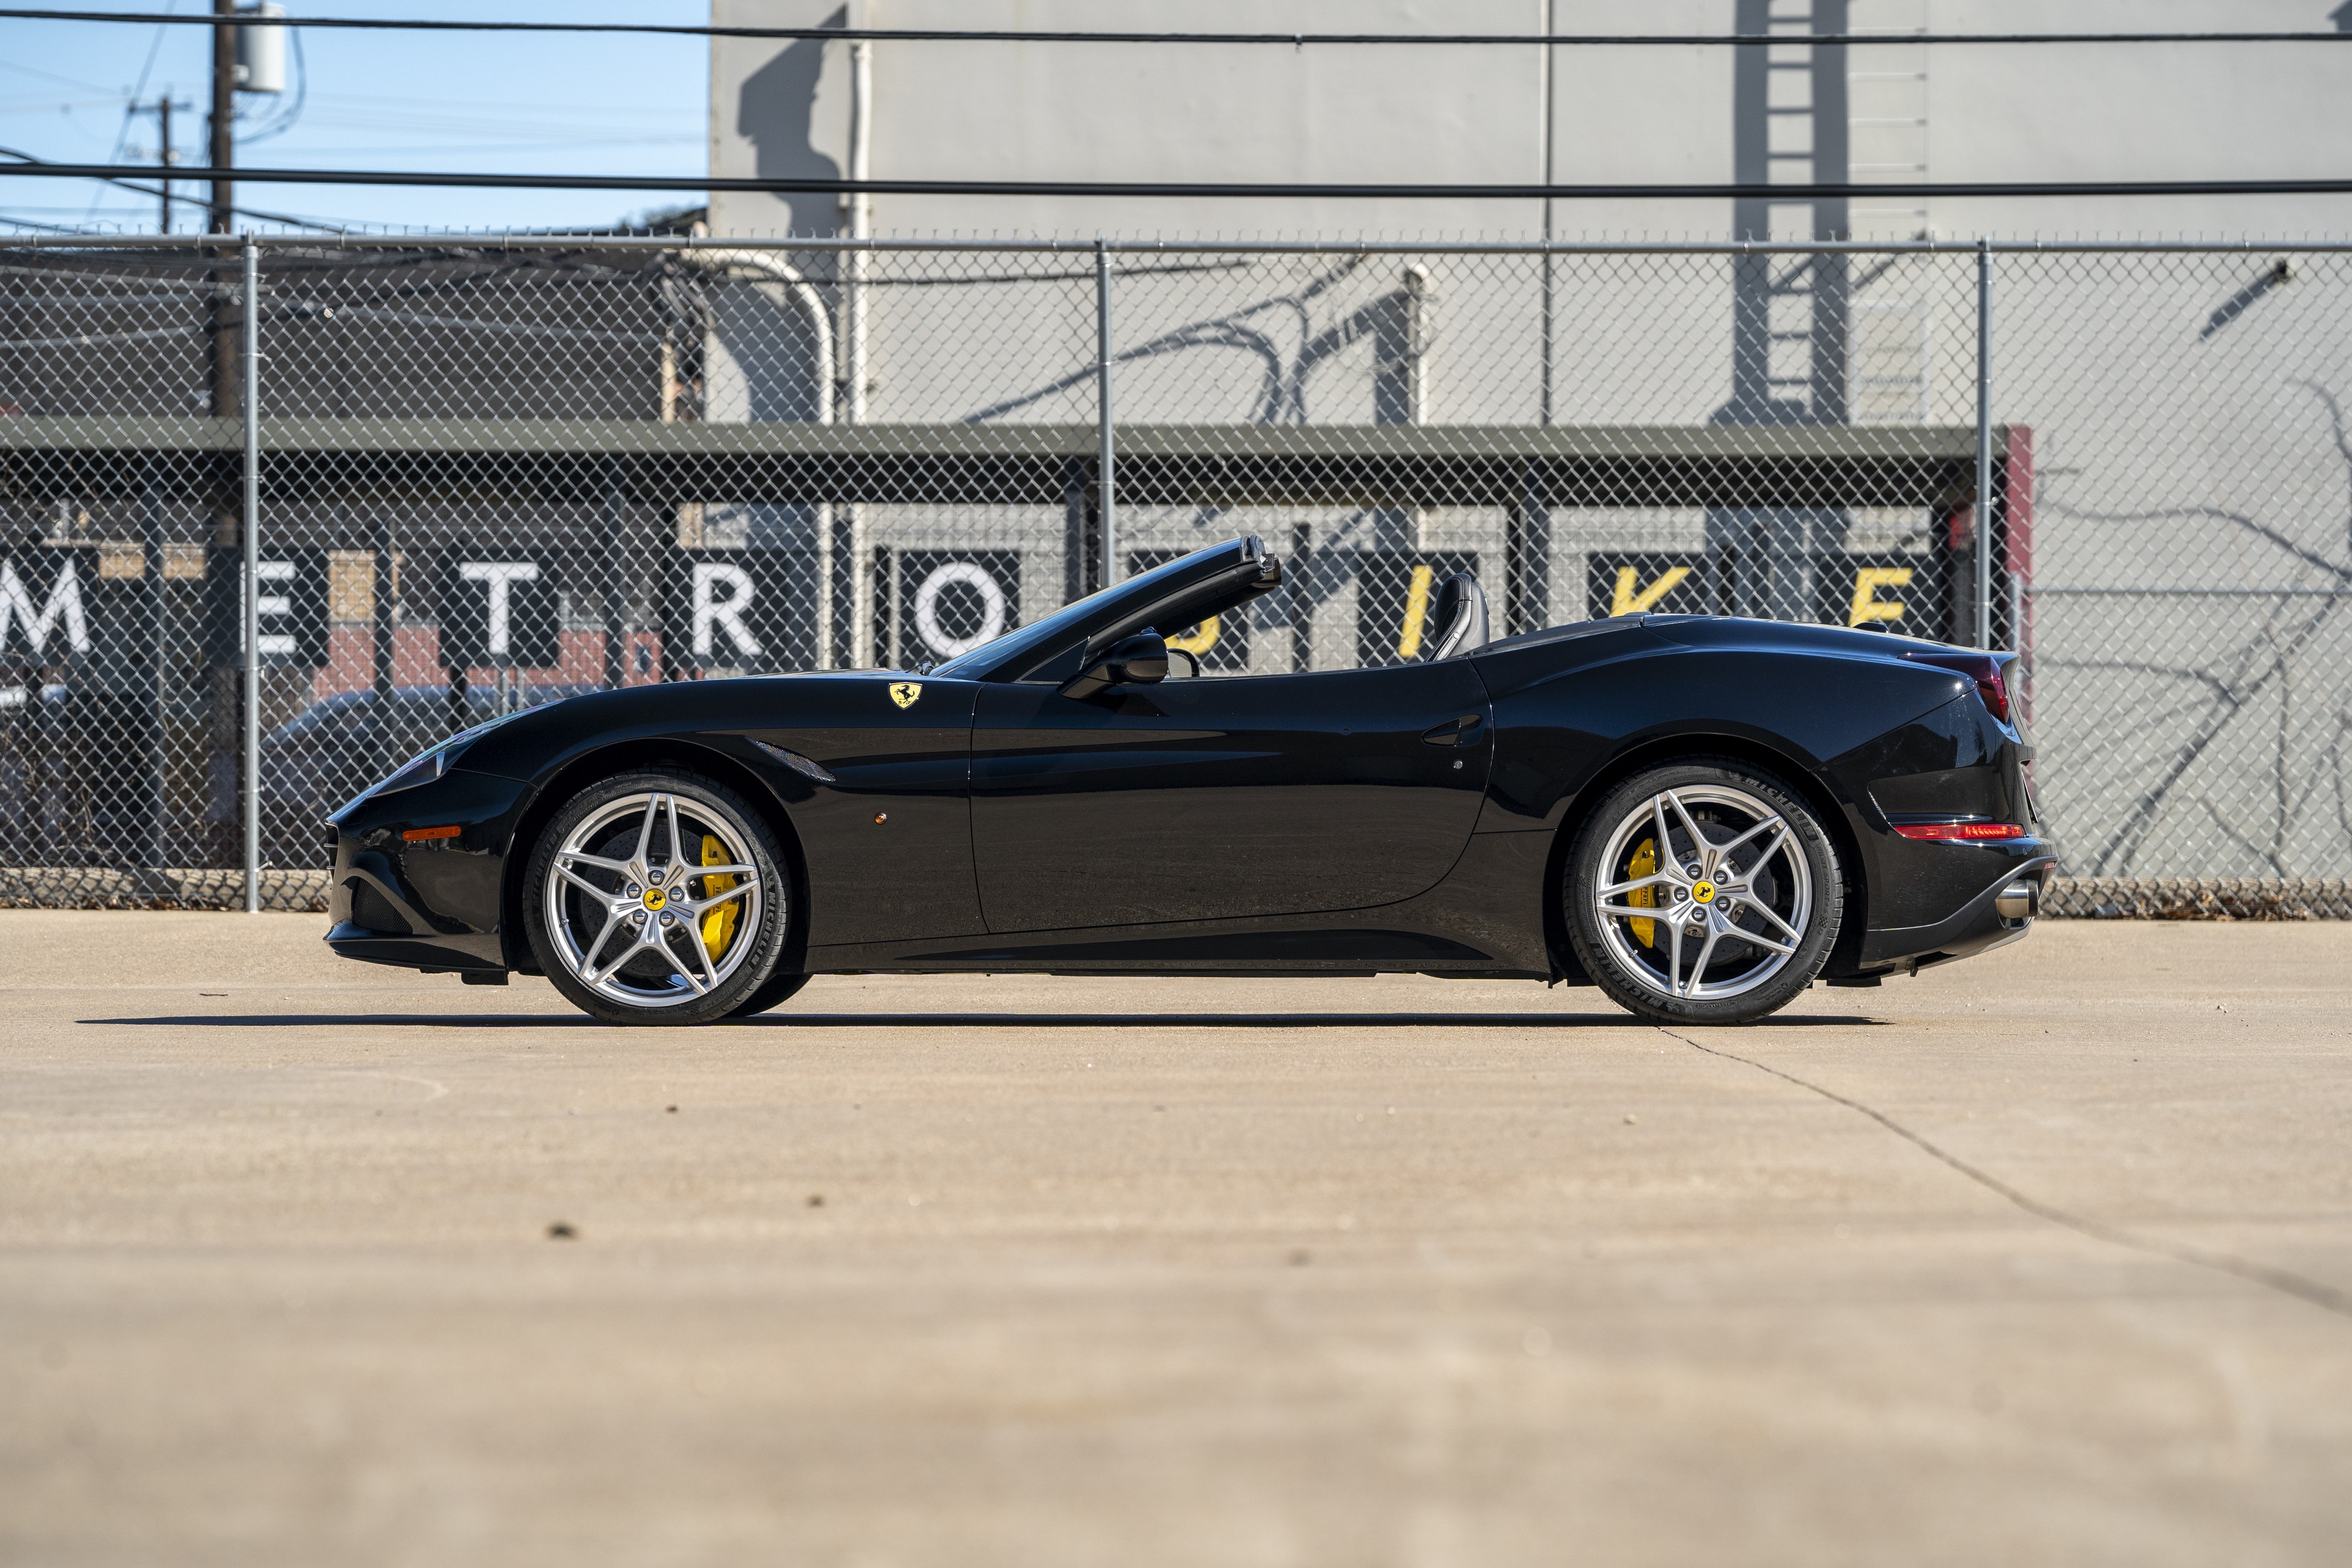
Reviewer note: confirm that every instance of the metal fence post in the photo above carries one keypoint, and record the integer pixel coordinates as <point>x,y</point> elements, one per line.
<point>1984,444</point>
<point>1107,489</point>
<point>252,395</point>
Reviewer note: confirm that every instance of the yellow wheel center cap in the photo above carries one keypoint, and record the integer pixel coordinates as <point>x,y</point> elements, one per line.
<point>1702,892</point>
<point>655,898</point>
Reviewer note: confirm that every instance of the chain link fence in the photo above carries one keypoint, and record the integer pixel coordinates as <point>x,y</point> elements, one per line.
<point>488,474</point>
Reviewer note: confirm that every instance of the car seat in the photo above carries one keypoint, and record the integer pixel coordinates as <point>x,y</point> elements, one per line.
<point>1461,609</point>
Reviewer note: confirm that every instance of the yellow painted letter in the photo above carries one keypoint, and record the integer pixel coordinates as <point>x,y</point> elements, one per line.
<point>1416,611</point>
<point>1629,603</point>
<point>1204,638</point>
<point>1868,606</point>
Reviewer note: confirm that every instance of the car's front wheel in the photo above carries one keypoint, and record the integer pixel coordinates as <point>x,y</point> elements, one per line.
<point>782,987</point>
<point>657,898</point>
<point>1703,891</point>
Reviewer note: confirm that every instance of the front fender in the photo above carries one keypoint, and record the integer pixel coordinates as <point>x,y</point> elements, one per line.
<point>424,869</point>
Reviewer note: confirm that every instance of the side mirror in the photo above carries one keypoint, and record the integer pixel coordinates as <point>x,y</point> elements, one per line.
<point>1139,660</point>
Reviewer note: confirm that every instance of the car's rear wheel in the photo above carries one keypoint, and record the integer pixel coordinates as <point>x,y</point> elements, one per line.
<point>1703,891</point>
<point>658,898</point>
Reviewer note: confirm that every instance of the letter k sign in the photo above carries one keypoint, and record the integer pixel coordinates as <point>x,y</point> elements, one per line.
<point>1629,603</point>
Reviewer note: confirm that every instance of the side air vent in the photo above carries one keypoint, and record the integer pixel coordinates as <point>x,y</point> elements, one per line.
<point>370,910</point>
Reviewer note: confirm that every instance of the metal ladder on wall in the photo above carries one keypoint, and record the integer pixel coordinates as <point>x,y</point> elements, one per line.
<point>1890,351</point>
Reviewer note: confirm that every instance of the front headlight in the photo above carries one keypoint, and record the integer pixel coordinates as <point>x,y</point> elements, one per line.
<point>428,766</point>
<point>420,770</point>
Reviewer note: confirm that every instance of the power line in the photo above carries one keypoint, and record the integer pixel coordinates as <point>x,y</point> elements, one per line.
<point>129,176</point>
<point>1294,40</point>
<point>131,112</point>
<point>111,94</point>
<point>1171,191</point>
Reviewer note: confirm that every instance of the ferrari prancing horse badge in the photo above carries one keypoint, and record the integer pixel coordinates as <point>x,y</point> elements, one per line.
<point>904,693</point>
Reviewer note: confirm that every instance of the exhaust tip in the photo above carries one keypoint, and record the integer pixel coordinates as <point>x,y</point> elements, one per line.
<point>2020,900</point>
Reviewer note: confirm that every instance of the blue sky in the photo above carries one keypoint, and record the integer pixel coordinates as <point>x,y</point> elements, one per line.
<point>546,103</point>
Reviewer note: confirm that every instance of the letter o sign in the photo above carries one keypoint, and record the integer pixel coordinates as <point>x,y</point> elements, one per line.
<point>935,634</point>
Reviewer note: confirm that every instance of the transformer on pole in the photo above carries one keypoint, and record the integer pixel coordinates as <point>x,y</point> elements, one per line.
<point>261,52</point>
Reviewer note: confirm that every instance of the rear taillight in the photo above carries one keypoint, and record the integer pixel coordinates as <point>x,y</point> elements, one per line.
<point>1984,669</point>
<point>1959,832</point>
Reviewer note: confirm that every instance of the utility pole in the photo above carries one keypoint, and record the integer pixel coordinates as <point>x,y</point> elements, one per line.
<point>223,378</point>
<point>223,151</point>
<point>163,138</point>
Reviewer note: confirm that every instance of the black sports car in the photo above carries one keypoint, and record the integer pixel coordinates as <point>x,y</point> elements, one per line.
<point>1699,815</point>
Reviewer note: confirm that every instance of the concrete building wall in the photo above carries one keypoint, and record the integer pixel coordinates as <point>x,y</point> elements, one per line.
<point>1166,113</point>
<point>1445,114</point>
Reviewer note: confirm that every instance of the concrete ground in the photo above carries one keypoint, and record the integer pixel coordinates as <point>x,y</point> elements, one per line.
<point>2046,1258</point>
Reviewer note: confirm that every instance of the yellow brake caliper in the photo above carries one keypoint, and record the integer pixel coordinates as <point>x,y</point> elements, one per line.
<point>718,924</point>
<point>1644,863</point>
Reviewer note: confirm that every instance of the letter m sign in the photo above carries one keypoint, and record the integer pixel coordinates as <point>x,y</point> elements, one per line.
<point>62,608</point>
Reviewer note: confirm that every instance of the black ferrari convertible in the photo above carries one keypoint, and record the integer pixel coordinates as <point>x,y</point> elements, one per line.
<point>1701,815</point>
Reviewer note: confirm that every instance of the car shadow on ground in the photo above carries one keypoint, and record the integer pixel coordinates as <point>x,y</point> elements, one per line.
<point>964,1020</point>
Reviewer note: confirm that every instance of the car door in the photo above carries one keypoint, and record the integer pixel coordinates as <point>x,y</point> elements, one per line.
<point>885,835</point>
<point>1219,798</point>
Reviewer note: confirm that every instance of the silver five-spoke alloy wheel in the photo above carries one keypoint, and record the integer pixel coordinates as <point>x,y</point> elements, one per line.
<point>654,899</point>
<point>1705,893</point>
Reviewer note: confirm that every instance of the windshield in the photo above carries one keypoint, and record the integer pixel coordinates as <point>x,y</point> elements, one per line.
<point>1064,622</point>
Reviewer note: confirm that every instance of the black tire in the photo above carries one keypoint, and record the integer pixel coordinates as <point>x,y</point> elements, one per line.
<point>779,988</point>
<point>608,930</point>
<point>1740,912</point>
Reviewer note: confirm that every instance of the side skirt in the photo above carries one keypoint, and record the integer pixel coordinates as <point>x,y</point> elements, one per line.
<point>1485,920</point>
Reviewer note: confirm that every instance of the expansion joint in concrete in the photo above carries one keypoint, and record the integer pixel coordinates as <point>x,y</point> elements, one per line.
<point>2324,1297</point>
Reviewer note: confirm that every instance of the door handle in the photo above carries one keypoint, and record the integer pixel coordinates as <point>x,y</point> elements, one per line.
<point>1461,731</point>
